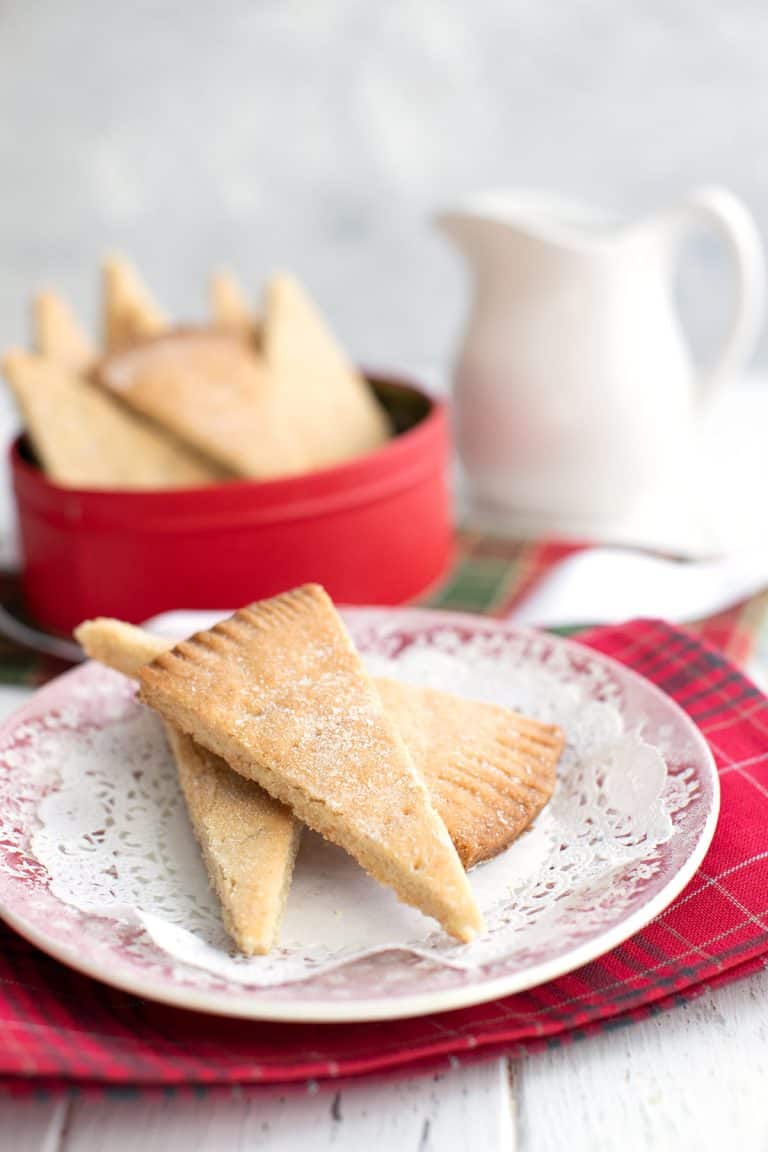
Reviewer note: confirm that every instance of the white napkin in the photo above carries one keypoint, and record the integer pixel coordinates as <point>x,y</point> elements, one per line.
<point>608,585</point>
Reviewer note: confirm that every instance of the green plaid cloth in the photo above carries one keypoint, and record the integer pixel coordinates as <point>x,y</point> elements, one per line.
<point>491,574</point>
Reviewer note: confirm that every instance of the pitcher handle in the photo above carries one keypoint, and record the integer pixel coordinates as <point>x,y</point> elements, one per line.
<point>720,209</point>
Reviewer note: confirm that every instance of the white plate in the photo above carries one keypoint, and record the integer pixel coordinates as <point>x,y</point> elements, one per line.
<point>573,918</point>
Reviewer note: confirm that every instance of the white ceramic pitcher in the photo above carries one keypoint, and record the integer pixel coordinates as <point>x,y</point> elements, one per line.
<point>574,389</point>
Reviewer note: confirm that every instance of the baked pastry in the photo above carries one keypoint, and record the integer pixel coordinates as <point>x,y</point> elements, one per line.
<point>211,390</point>
<point>130,313</point>
<point>57,334</point>
<point>248,840</point>
<point>285,404</point>
<point>319,392</point>
<point>240,397</point>
<point>279,692</point>
<point>489,771</point>
<point>231,309</point>
<point>84,439</point>
<point>120,646</point>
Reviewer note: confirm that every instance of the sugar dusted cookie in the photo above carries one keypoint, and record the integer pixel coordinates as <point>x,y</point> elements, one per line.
<point>280,693</point>
<point>489,771</point>
<point>57,334</point>
<point>212,391</point>
<point>231,309</point>
<point>84,439</point>
<point>129,310</point>
<point>331,406</point>
<point>248,840</point>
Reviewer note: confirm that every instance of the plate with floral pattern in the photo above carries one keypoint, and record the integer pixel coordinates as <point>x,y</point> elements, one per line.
<point>100,869</point>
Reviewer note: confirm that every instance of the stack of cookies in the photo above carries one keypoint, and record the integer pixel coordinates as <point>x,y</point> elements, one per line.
<point>247,396</point>
<point>275,724</point>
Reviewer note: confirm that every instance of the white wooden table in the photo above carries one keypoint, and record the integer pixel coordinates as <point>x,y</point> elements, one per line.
<point>695,1077</point>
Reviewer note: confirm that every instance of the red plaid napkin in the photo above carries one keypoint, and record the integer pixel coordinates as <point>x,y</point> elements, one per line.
<point>59,1029</point>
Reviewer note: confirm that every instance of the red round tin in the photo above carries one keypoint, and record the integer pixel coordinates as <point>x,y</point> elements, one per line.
<point>376,530</point>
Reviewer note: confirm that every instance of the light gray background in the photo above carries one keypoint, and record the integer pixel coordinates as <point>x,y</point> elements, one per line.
<point>321,135</point>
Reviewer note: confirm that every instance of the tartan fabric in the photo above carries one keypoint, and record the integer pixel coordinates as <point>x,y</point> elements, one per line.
<point>492,574</point>
<point>59,1029</point>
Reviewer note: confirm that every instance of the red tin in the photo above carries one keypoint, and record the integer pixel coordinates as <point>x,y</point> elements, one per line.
<point>374,531</point>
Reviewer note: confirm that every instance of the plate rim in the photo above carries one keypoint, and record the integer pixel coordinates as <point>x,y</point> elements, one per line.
<point>325,1011</point>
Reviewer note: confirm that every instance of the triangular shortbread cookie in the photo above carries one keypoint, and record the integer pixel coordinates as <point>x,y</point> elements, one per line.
<point>232,311</point>
<point>123,647</point>
<point>280,693</point>
<point>298,406</point>
<point>211,390</point>
<point>130,313</point>
<point>57,333</point>
<point>331,406</point>
<point>248,840</point>
<point>85,439</point>
<point>489,771</point>
<point>249,843</point>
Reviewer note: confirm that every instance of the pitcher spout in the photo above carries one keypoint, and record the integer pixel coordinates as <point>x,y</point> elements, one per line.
<point>466,230</point>
<point>535,218</point>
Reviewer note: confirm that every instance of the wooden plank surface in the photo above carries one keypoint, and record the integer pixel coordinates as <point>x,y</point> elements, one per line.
<point>34,1125</point>
<point>695,1077</point>
<point>465,1110</point>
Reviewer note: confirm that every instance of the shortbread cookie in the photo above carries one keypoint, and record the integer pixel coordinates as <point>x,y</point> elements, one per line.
<point>57,334</point>
<point>232,311</point>
<point>120,646</point>
<point>489,770</point>
<point>287,404</point>
<point>248,840</point>
<point>84,439</point>
<point>330,405</point>
<point>130,313</point>
<point>280,693</point>
<point>211,390</point>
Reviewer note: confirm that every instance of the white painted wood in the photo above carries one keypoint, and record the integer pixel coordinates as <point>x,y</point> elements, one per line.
<point>28,1125</point>
<point>696,1077</point>
<point>464,1110</point>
